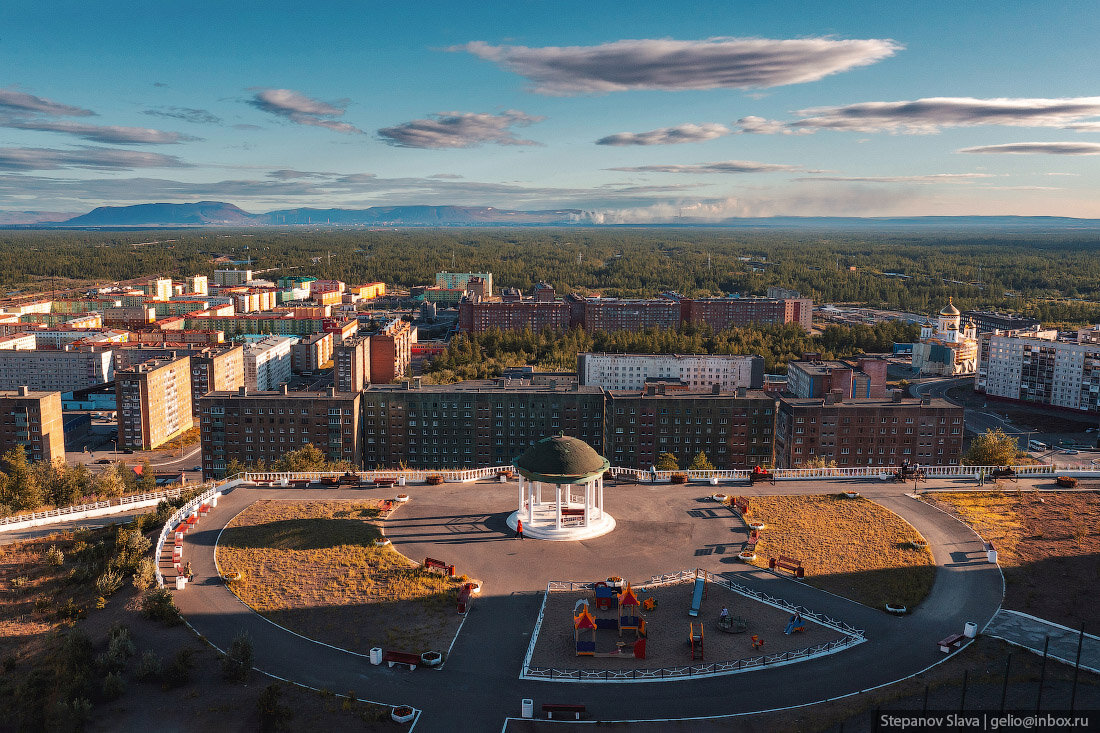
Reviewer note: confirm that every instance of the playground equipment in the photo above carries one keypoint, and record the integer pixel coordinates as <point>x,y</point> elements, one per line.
<point>629,616</point>
<point>698,594</point>
<point>732,624</point>
<point>695,639</point>
<point>756,642</point>
<point>605,596</point>
<point>795,623</point>
<point>583,621</point>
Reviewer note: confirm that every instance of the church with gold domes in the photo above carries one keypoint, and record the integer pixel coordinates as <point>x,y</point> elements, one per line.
<point>948,347</point>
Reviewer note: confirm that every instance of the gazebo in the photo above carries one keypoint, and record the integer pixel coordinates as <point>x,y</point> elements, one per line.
<point>575,509</point>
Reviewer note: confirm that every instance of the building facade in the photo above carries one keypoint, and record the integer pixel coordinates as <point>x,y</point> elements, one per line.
<point>254,427</point>
<point>153,401</point>
<point>56,371</point>
<point>635,314</point>
<point>856,378</point>
<point>723,313</point>
<point>696,372</point>
<point>881,432</point>
<point>1033,367</point>
<point>949,347</point>
<point>267,363</point>
<point>215,370</point>
<point>390,351</point>
<point>512,315</point>
<point>988,321</point>
<point>461,280</point>
<point>33,420</point>
<point>311,352</point>
<point>351,362</point>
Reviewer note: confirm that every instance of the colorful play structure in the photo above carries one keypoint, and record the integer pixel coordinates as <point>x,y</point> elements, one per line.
<point>621,598</point>
<point>795,623</point>
<point>695,639</point>
<point>698,594</point>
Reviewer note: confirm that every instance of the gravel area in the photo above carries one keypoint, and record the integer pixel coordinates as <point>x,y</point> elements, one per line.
<point>667,626</point>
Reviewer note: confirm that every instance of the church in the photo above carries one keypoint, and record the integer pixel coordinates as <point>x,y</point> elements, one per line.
<point>947,348</point>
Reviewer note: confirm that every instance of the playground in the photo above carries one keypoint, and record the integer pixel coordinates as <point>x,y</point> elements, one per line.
<point>668,624</point>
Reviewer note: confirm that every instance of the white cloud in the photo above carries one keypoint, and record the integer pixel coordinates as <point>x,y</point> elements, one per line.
<point>29,159</point>
<point>687,133</point>
<point>21,103</point>
<point>303,110</point>
<point>670,65</point>
<point>459,130</point>
<point>1061,148</point>
<point>112,134</point>
<point>723,166</point>
<point>187,114</point>
<point>956,178</point>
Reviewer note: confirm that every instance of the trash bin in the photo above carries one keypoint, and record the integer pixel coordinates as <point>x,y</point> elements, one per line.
<point>714,481</point>
<point>527,708</point>
<point>991,555</point>
<point>214,500</point>
<point>376,655</point>
<point>181,582</point>
<point>970,630</point>
<point>400,480</point>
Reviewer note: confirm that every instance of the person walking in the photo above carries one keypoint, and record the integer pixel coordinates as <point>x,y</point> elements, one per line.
<point>519,528</point>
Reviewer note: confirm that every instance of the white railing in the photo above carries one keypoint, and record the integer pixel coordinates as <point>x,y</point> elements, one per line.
<point>181,514</point>
<point>450,476</point>
<point>63,512</point>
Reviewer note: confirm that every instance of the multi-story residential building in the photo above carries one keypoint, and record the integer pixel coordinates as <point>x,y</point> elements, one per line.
<point>56,371</point>
<point>311,352</point>
<point>351,364</point>
<point>253,427</point>
<point>1034,367</point>
<point>634,314</point>
<point>19,341</point>
<point>154,402</point>
<point>863,377</point>
<point>443,296</point>
<point>723,313</point>
<point>197,284</point>
<point>862,432</point>
<point>475,423</point>
<point>368,291</point>
<point>231,278</point>
<point>512,315</point>
<point>159,288</point>
<point>461,281</point>
<point>988,321</point>
<point>696,372</point>
<point>390,351</point>
<point>267,363</point>
<point>33,420</point>
<point>734,429</point>
<point>215,369</point>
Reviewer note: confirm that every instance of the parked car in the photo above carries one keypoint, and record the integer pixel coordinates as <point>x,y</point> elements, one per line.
<point>104,460</point>
<point>1070,452</point>
<point>196,468</point>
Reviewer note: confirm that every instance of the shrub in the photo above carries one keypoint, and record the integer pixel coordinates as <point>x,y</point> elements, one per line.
<point>113,686</point>
<point>19,582</point>
<point>178,673</point>
<point>149,667</point>
<point>69,611</point>
<point>238,660</point>
<point>433,480</point>
<point>274,716</point>
<point>54,557</point>
<point>159,606</point>
<point>145,574</point>
<point>121,646</point>
<point>109,582</point>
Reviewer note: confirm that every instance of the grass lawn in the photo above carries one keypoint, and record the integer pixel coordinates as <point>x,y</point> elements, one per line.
<point>313,567</point>
<point>1048,545</point>
<point>852,547</point>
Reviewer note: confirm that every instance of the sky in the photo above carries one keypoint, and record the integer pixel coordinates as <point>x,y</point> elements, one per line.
<point>635,112</point>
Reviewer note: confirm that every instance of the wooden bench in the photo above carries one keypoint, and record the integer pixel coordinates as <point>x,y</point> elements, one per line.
<point>787,563</point>
<point>430,563</point>
<point>999,473</point>
<point>576,711</point>
<point>386,482</point>
<point>758,477</point>
<point>951,642</point>
<point>392,658</point>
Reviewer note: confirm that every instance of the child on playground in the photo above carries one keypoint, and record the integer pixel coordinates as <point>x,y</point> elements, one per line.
<point>725,613</point>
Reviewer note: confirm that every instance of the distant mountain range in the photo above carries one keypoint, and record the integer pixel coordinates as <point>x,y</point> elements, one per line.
<point>220,214</point>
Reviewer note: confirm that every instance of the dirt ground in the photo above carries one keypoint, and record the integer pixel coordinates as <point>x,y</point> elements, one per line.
<point>667,626</point>
<point>1048,545</point>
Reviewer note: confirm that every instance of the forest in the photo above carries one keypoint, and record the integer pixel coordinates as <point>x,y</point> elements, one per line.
<point>1054,276</point>
<point>484,355</point>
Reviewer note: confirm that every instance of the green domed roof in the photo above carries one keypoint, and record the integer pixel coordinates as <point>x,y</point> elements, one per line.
<point>560,459</point>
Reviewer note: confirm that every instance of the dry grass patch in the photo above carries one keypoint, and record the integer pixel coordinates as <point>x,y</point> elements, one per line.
<point>852,547</point>
<point>1048,545</point>
<point>313,567</point>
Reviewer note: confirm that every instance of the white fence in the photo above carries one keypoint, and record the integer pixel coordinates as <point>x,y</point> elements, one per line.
<point>87,511</point>
<point>180,515</point>
<point>860,472</point>
<point>451,476</point>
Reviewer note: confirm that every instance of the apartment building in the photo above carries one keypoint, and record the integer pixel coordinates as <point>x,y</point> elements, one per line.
<point>267,363</point>
<point>32,419</point>
<point>215,369</point>
<point>633,314</point>
<point>722,313</point>
<point>864,377</point>
<point>1034,367</point>
<point>197,284</point>
<point>231,278</point>
<point>153,401</point>
<point>351,362</point>
<point>390,351</point>
<point>461,281</point>
<point>311,352</point>
<point>867,432</point>
<point>512,315</point>
<point>696,372</point>
<point>56,371</point>
<point>990,321</point>
<point>254,427</point>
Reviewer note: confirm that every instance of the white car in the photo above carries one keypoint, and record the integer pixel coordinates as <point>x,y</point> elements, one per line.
<point>1070,452</point>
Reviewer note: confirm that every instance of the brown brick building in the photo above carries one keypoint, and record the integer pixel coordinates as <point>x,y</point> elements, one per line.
<point>722,313</point>
<point>390,351</point>
<point>512,315</point>
<point>33,420</point>
<point>867,432</point>
<point>154,402</point>
<point>262,426</point>
<point>636,314</point>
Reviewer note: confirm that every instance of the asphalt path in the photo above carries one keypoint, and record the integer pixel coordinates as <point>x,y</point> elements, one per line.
<point>9,536</point>
<point>661,528</point>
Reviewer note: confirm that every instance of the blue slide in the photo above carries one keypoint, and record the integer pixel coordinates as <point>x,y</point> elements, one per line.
<point>696,597</point>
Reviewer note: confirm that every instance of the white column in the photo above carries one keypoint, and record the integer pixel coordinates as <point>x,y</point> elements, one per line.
<point>599,498</point>
<point>530,502</point>
<point>587,501</point>
<point>521,496</point>
<point>538,492</point>
<point>557,519</point>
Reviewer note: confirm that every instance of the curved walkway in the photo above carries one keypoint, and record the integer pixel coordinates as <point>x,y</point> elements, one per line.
<point>661,528</point>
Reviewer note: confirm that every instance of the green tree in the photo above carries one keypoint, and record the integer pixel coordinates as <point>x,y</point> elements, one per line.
<point>701,463</point>
<point>21,488</point>
<point>307,458</point>
<point>667,462</point>
<point>992,448</point>
<point>234,467</point>
<point>112,481</point>
<point>148,480</point>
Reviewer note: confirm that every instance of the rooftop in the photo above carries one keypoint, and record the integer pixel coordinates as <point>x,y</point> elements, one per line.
<point>561,457</point>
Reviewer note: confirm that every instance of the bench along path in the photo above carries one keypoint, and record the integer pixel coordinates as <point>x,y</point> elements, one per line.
<point>661,528</point>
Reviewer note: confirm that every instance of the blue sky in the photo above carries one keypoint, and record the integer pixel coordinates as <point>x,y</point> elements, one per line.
<point>636,112</point>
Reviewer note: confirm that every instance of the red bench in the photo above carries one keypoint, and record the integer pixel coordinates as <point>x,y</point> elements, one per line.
<point>392,658</point>
<point>387,482</point>
<point>787,563</point>
<point>575,710</point>
<point>741,505</point>
<point>430,563</point>
<point>951,642</point>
